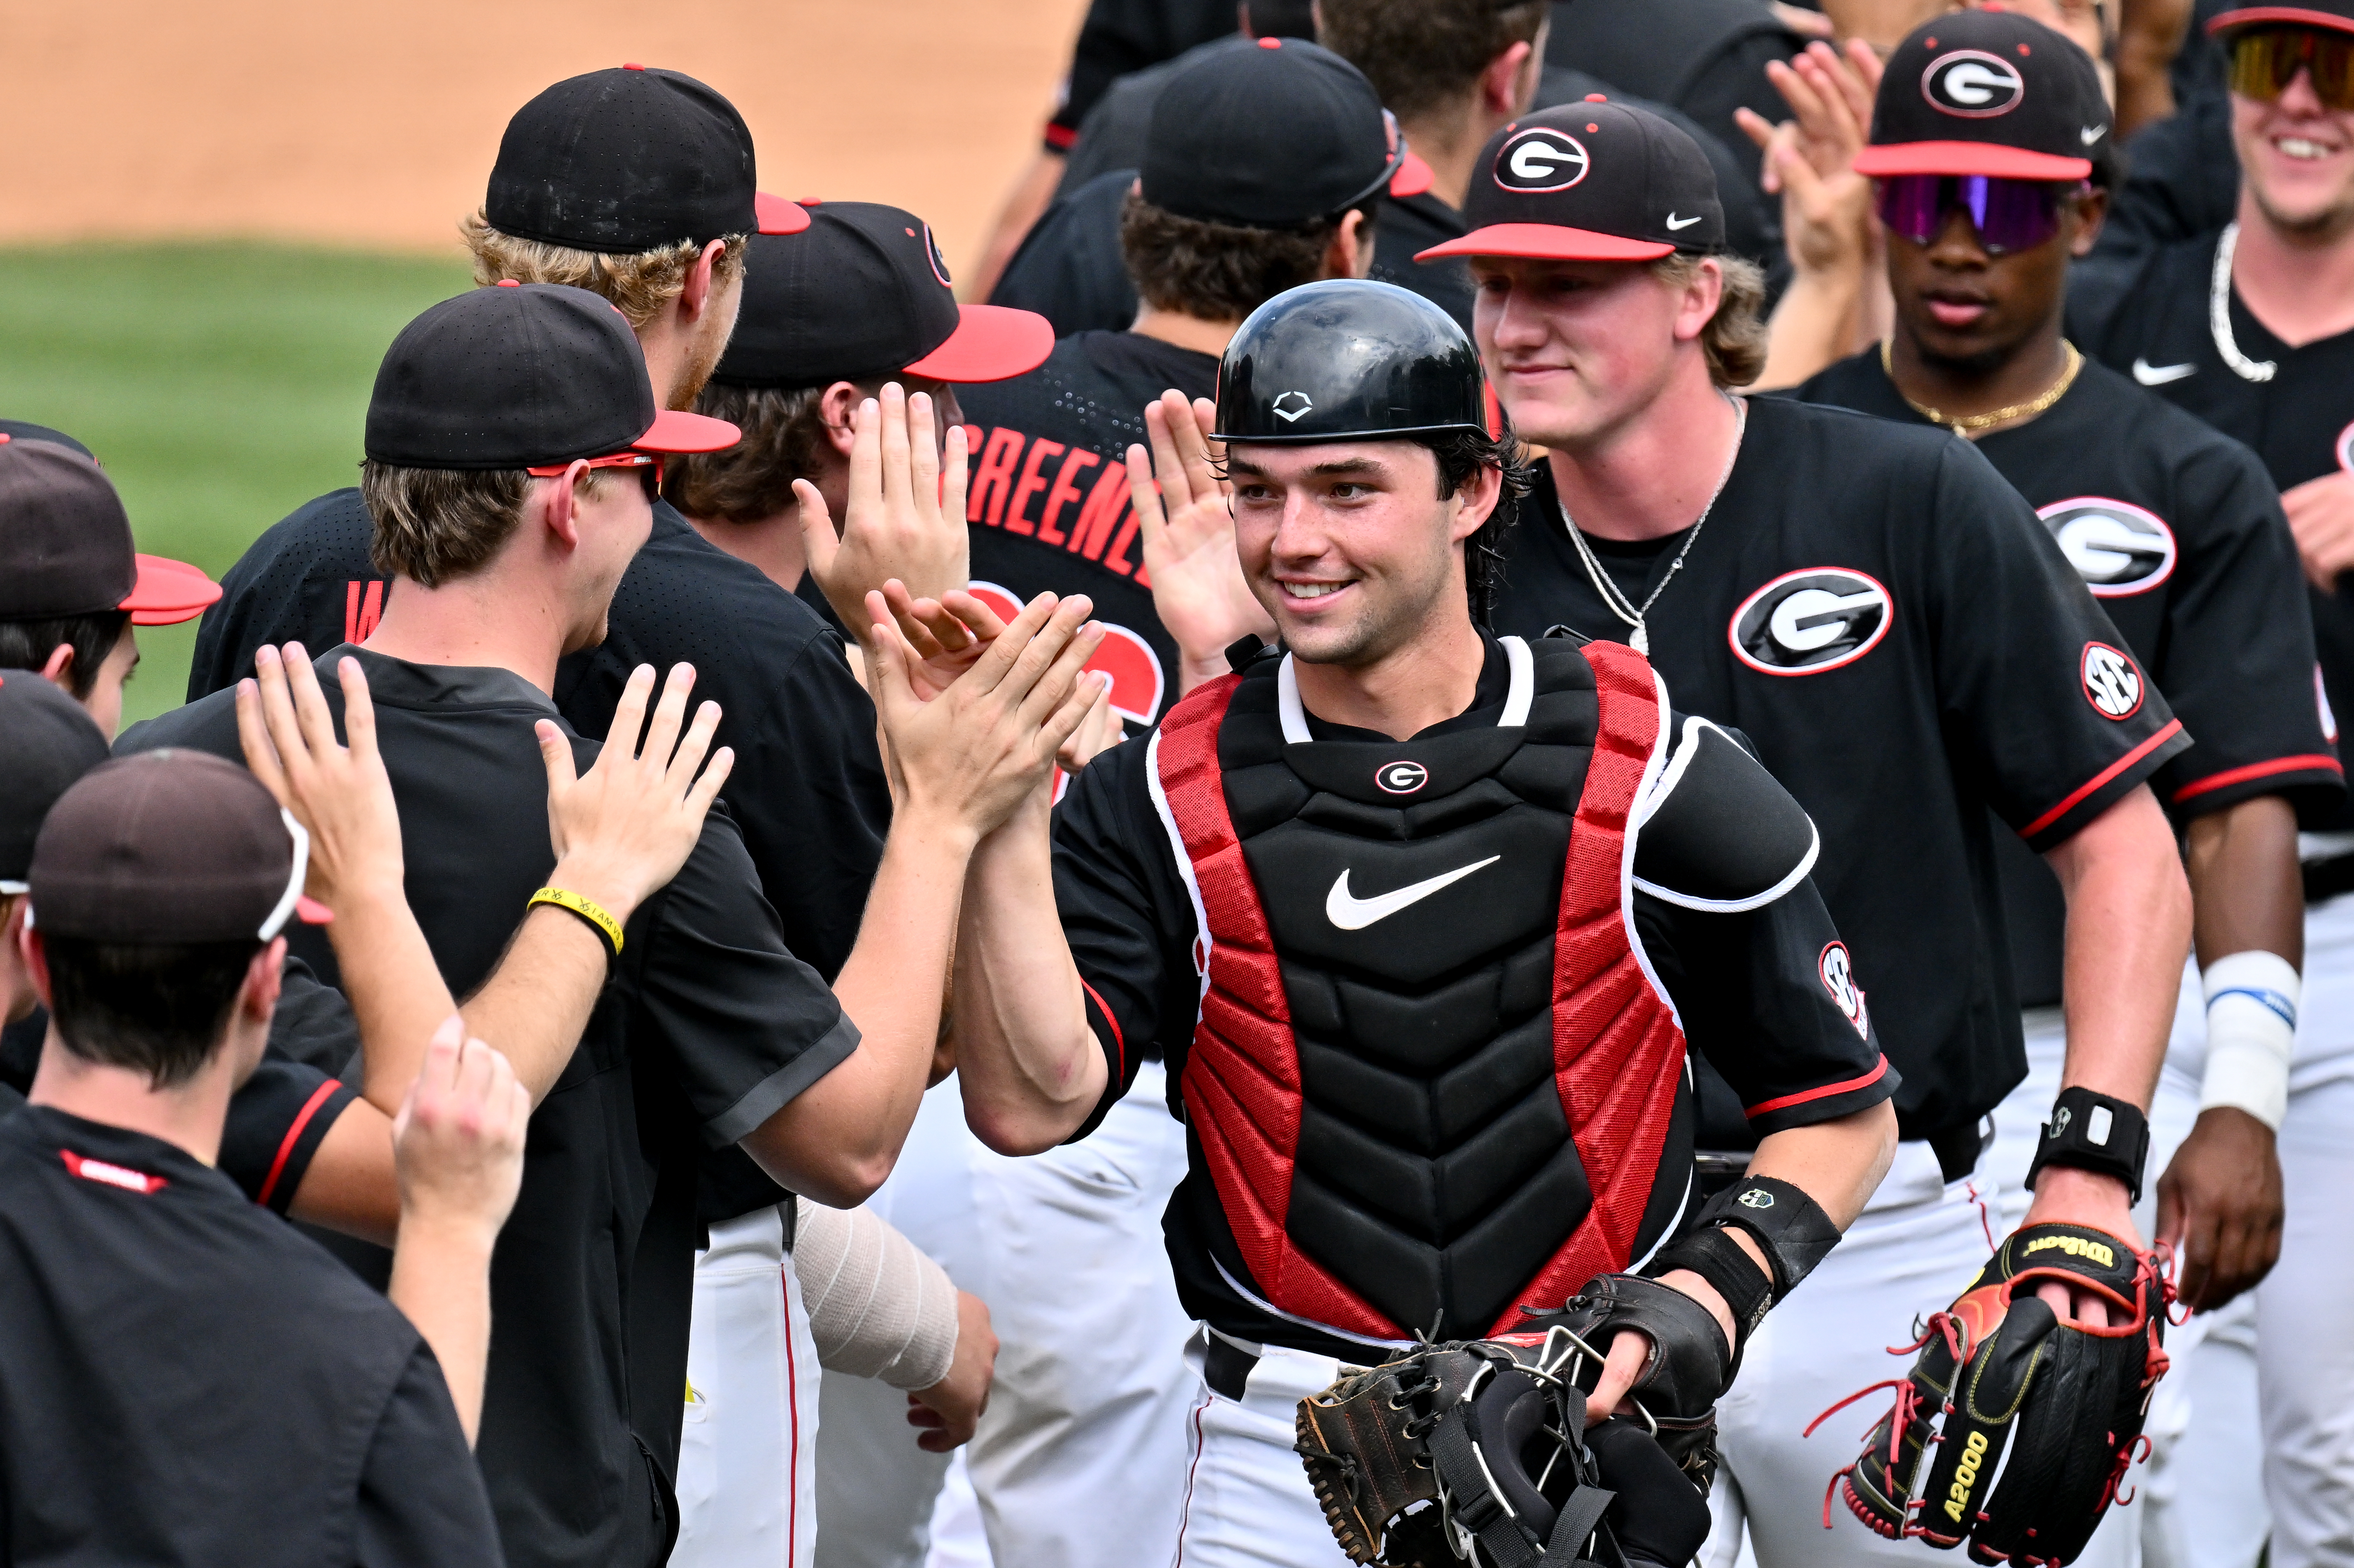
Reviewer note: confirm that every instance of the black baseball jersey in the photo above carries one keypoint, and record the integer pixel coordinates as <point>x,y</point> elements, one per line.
<point>185,1380</point>
<point>808,792</point>
<point>710,1026</point>
<point>1909,650</point>
<point>277,1117</point>
<point>1428,1114</point>
<point>2178,533</point>
<point>1123,36</point>
<point>1047,505</point>
<point>2153,323</point>
<point>1708,58</point>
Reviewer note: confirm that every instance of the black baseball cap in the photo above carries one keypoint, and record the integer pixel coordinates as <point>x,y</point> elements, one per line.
<point>169,846</point>
<point>2334,16</point>
<point>47,742</point>
<point>628,160</point>
<point>26,430</point>
<point>523,376</point>
<point>862,290</point>
<point>66,548</point>
<point>1594,181</point>
<point>1988,93</point>
<point>1274,137</point>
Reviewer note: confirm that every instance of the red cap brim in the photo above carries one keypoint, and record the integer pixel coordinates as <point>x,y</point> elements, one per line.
<point>676,431</point>
<point>168,592</point>
<point>779,216</point>
<point>1412,178</point>
<point>1989,158</point>
<point>2288,16</point>
<point>1548,242</point>
<point>310,912</point>
<point>989,344</point>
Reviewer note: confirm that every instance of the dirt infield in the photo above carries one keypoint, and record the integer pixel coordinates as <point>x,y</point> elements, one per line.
<point>375,125</point>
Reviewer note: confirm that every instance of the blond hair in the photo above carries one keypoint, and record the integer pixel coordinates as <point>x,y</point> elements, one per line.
<point>1734,341</point>
<point>640,286</point>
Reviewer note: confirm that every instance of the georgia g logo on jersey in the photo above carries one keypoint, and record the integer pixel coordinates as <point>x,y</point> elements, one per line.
<point>1541,159</point>
<point>1973,84</point>
<point>2117,548</point>
<point>2111,684</point>
<point>1809,621</point>
<point>1838,971</point>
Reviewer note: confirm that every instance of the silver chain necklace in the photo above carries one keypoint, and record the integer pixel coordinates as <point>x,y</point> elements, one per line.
<point>2218,312</point>
<point>1617,603</point>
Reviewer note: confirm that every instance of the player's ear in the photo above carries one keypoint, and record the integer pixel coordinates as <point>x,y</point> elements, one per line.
<point>838,407</point>
<point>2092,211</point>
<point>57,668</point>
<point>694,297</point>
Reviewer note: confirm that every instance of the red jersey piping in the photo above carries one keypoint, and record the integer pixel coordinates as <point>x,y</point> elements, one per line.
<point>2074,797</point>
<point>319,1097</point>
<point>2231,776</point>
<point>1843,1086</point>
<point>1119,1042</point>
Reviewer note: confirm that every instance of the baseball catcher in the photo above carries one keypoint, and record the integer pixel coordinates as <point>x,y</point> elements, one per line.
<point>1421,920</point>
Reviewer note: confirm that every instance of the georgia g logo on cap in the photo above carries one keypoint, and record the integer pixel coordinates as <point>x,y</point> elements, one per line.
<point>1541,159</point>
<point>1973,84</point>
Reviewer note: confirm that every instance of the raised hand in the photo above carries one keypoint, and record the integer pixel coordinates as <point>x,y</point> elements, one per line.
<point>905,517</point>
<point>622,830</point>
<point>1198,588</point>
<point>339,793</point>
<point>948,634</point>
<point>971,755</point>
<point>2321,515</point>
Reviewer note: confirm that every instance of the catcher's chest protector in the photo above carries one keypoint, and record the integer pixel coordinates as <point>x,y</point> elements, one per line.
<point>1432,1079</point>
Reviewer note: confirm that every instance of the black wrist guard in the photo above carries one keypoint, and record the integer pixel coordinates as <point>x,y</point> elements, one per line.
<point>1789,1227</point>
<point>2090,1131</point>
<point>1719,1259</point>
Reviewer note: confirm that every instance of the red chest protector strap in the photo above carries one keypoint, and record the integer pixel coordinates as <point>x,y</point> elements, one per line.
<point>1617,1054</point>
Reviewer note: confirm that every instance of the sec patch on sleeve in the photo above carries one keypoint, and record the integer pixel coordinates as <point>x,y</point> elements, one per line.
<point>2112,683</point>
<point>1839,979</point>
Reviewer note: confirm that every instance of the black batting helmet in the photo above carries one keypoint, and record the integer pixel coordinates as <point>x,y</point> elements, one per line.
<point>1349,360</point>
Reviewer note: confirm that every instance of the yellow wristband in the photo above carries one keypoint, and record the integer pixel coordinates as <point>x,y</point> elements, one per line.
<point>610,927</point>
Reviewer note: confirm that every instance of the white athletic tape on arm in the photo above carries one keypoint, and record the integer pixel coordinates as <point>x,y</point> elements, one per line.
<point>877,1307</point>
<point>2252,1000</point>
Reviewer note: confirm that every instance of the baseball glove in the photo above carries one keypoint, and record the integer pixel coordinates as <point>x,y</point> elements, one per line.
<point>1999,1369</point>
<point>1479,1451</point>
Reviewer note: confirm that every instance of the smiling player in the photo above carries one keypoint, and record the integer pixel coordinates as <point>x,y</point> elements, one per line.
<point>1913,656</point>
<point>1369,899</point>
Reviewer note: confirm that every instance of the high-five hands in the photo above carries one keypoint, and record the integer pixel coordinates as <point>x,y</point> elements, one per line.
<point>339,793</point>
<point>1198,588</point>
<point>904,518</point>
<point>622,830</point>
<point>948,634</point>
<point>969,745</point>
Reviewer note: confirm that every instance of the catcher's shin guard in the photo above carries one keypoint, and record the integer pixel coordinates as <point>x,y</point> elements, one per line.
<point>2000,1369</point>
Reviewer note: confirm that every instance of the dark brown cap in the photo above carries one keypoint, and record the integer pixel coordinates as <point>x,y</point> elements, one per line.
<point>47,742</point>
<point>66,548</point>
<point>169,847</point>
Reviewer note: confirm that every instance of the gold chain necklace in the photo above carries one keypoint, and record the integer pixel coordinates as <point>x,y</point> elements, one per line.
<point>1971,424</point>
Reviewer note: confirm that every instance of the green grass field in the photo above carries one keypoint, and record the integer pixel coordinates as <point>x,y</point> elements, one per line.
<point>221,384</point>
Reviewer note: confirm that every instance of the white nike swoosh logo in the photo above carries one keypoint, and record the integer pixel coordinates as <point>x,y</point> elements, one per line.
<point>2150,374</point>
<point>1351,913</point>
<point>1675,222</point>
<point>2092,133</point>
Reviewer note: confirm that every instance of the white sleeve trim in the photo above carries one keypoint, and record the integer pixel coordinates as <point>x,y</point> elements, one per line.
<point>1687,747</point>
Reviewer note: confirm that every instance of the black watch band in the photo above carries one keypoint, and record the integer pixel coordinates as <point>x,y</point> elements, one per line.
<point>2090,1131</point>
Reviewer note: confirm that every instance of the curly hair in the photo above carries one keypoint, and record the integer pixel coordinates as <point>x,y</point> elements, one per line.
<point>1461,454</point>
<point>1220,272</point>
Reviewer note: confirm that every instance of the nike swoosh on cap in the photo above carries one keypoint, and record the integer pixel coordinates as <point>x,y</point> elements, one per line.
<point>2150,374</point>
<point>2092,133</point>
<point>1675,222</point>
<point>1351,913</point>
